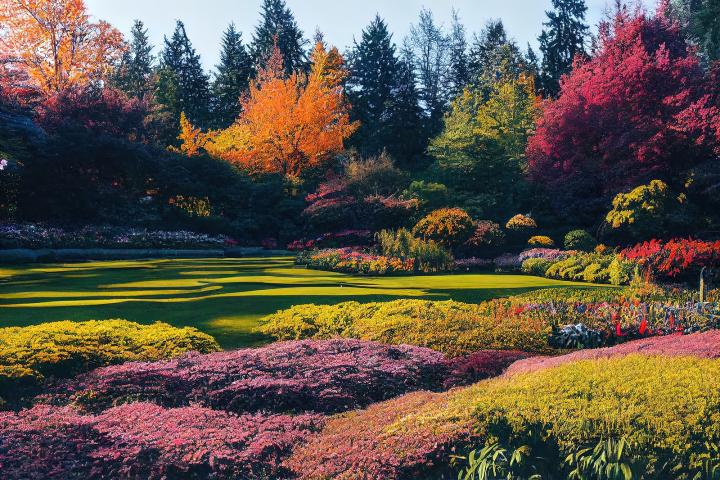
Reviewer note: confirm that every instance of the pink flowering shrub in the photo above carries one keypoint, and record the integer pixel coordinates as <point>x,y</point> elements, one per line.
<point>147,441</point>
<point>343,238</point>
<point>545,253</point>
<point>322,376</point>
<point>349,260</point>
<point>480,365</point>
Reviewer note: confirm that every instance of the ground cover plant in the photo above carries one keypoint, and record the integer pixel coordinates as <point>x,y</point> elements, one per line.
<point>30,355</point>
<point>325,376</point>
<point>652,401</point>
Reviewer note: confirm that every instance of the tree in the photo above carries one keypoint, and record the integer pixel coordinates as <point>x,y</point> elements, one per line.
<point>459,75</point>
<point>287,124</point>
<point>192,138</point>
<point>431,47</point>
<point>55,42</point>
<point>232,78</point>
<point>492,56</point>
<point>278,27</point>
<point>561,41</point>
<point>701,21</point>
<point>134,76</point>
<point>183,85</point>
<point>622,117</point>
<point>408,130</point>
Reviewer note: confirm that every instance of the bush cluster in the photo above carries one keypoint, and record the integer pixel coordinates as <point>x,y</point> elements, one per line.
<point>28,355</point>
<point>675,259</point>
<point>583,267</point>
<point>448,226</point>
<point>349,260</point>
<point>665,407</point>
<point>326,376</point>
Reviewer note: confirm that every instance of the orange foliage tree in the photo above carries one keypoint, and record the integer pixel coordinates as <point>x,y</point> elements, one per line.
<point>55,42</point>
<point>290,123</point>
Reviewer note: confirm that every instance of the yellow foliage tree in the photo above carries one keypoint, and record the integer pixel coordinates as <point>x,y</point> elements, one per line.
<point>291,123</point>
<point>55,42</point>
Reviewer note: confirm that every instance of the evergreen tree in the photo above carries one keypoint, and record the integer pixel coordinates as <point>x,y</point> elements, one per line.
<point>409,131</point>
<point>493,57</point>
<point>371,86</point>
<point>701,21</point>
<point>134,77</point>
<point>183,85</point>
<point>459,72</point>
<point>561,41</point>
<point>278,24</point>
<point>532,62</point>
<point>231,80</point>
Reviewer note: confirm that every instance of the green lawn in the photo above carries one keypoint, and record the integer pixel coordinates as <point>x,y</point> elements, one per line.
<point>223,297</point>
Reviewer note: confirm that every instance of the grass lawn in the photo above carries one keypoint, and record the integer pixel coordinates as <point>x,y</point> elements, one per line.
<point>223,297</point>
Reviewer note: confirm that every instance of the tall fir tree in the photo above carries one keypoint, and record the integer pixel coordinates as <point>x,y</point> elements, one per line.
<point>700,20</point>
<point>134,76</point>
<point>231,79</point>
<point>564,37</point>
<point>278,25</point>
<point>493,57</point>
<point>410,129</point>
<point>371,87</point>
<point>459,72</point>
<point>183,85</point>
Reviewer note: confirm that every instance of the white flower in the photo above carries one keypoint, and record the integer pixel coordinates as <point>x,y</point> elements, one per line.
<point>3,164</point>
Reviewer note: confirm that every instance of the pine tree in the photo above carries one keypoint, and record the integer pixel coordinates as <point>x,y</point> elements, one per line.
<point>231,80</point>
<point>374,73</point>
<point>278,25</point>
<point>701,21</point>
<point>493,57</point>
<point>459,73</point>
<point>134,76</point>
<point>563,39</point>
<point>409,128</point>
<point>185,85</point>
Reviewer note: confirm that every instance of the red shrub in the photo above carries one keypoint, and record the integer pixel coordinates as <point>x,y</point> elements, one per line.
<point>675,258</point>
<point>480,365</point>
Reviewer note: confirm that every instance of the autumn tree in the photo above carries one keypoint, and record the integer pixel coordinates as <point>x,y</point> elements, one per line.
<point>623,117</point>
<point>56,42</point>
<point>288,124</point>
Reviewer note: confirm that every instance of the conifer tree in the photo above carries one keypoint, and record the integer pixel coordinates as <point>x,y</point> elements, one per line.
<point>134,76</point>
<point>231,79</point>
<point>459,74</point>
<point>409,128</point>
<point>493,57</point>
<point>563,38</point>
<point>183,85</point>
<point>278,25</point>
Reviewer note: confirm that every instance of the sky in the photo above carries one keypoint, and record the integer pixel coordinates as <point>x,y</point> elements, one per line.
<point>340,20</point>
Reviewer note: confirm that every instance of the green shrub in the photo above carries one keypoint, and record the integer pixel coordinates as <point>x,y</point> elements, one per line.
<point>429,256</point>
<point>453,328</point>
<point>62,349</point>
<point>621,271</point>
<point>580,240</point>
<point>536,266</point>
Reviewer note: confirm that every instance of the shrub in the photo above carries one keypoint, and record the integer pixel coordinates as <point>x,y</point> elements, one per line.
<point>545,253</point>
<point>536,266</point>
<point>325,376</point>
<point>521,223</point>
<point>579,240</point>
<point>665,407</point>
<point>147,441</point>
<point>62,349</point>
<point>348,260</point>
<point>541,241</point>
<point>507,262</point>
<point>678,258</point>
<point>448,226</point>
<point>428,256</point>
<point>487,236</point>
<point>480,366</point>
<point>645,211</point>
<point>592,267</point>
<point>452,328</point>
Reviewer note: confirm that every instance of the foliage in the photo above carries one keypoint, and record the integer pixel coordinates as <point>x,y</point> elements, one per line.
<point>278,29</point>
<point>541,241</point>
<point>450,327</point>
<point>579,240</point>
<point>38,236</point>
<point>521,223</point>
<point>480,366</point>
<point>134,75</point>
<point>677,258</point>
<point>487,236</point>
<point>56,44</point>
<point>326,376</point>
<point>287,124</point>
<point>142,440</point>
<point>232,78</point>
<point>621,117</point>
<point>61,349</point>
<point>645,211</point>
<point>428,256</point>
<point>348,260</point>
<point>662,406</point>
<point>536,266</point>
<point>449,226</point>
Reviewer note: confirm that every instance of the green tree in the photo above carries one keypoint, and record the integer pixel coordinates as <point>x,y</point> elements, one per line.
<point>278,25</point>
<point>134,76</point>
<point>408,130</point>
<point>701,21</point>
<point>493,56</point>
<point>459,74</point>
<point>563,38</point>
<point>231,79</point>
<point>183,85</point>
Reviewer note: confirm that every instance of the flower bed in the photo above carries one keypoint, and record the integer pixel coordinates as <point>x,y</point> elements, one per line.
<point>345,238</point>
<point>349,260</point>
<point>147,441</point>
<point>37,236</point>
<point>61,349</point>
<point>667,408</point>
<point>319,376</point>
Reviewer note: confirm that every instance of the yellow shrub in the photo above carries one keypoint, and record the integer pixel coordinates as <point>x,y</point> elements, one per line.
<point>541,241</point>
<point>453,328</point>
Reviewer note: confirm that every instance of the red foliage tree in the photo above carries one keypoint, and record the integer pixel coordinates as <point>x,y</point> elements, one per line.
<point>625,115</point>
